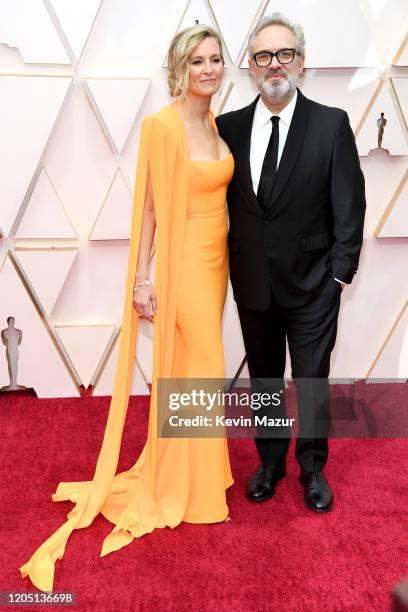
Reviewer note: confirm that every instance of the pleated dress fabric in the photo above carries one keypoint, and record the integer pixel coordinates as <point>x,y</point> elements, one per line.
<point>173,479</point>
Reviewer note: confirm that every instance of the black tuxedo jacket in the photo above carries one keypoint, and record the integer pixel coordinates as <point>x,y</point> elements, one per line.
<point>313,224</point>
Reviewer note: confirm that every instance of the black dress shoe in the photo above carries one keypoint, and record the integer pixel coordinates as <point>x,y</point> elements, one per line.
<point>318,494</point>
<point>262,484</point>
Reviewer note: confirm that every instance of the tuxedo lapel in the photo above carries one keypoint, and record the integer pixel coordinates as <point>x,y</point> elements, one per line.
<point>293,146</point>
<point>242,153</point>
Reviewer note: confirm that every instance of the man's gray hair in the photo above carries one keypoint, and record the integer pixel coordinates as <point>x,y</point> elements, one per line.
<point>279,19</point>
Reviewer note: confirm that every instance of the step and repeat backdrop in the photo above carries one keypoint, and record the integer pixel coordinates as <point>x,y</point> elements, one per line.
<point>76,79</point>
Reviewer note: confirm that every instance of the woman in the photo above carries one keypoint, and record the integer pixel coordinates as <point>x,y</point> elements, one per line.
<point>182,175</point>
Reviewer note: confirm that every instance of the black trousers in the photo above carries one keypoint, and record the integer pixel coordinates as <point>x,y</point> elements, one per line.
<point>310,331</point>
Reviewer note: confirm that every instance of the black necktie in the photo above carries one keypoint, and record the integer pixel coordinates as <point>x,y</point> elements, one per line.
<point>269,165</point>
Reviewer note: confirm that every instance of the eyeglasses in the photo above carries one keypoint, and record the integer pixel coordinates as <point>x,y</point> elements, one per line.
<point>284,56</point>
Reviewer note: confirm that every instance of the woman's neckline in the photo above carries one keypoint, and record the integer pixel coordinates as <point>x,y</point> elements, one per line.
<point>185,138</point>
<point>210,161</point>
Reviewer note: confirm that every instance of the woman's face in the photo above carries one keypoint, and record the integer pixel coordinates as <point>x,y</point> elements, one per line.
<point>205,68</point>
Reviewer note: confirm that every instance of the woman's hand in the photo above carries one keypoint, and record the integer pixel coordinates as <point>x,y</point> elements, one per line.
<point>145,301</point>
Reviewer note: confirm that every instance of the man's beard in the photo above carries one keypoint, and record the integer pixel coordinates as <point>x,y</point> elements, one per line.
<point>281,89</point>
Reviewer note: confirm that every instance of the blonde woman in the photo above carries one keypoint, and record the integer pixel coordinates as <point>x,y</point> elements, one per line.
<point>183,171</point>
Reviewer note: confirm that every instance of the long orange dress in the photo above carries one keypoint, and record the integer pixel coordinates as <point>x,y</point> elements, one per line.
<point>174,479</point>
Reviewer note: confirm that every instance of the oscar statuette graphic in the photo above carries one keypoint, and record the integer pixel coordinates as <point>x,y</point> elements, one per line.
<point>381,123</point>
<point>11,338</point>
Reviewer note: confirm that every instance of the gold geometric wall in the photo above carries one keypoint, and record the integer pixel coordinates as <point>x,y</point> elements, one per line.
<point>76,79</point>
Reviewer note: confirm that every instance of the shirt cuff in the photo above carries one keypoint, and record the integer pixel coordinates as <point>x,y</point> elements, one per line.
<point>339,281</point>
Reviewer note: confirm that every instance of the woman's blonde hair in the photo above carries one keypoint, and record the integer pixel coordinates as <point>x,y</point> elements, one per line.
<point>180,48</point>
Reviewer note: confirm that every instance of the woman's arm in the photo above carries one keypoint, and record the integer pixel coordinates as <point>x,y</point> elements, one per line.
<point>144,297</point>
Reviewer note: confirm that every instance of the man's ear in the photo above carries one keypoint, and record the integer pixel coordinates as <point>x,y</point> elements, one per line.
<point>301,64</point>
<point>250,66</point>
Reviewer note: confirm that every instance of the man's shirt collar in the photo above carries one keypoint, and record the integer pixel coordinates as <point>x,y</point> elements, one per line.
<point>263,114</point>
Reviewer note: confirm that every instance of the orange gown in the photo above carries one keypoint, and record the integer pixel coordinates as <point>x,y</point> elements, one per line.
<point>174,479</point>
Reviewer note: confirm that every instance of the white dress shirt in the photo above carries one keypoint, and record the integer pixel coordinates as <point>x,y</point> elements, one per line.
<point>261,132</point>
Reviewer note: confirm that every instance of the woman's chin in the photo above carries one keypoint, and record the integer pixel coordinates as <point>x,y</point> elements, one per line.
<point>208,92</point>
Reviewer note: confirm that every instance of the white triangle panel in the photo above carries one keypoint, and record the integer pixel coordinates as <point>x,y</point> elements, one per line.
<point>238,97</point>
<point>114,219</point>
<point>79,160</point>
<point>24,128</point>
<point>85,346</point>
<point>350,90</point>
<point>26,24</point>
<point>105,383</point>
<point>131,38</point>
<point>3,255</point>
<point>396,222</point>
<point>45,216</point>
<point>118,101</point>
<point>233,96</point>
<point>196,13</point>
<point>234,24</point>
<point>401,90</point>
<point>76,18</point>
<point>138,386</point>
<point>39,363</point>
<point>388,20</point>
<point>218,101</point>
<point>379,283</point>
<point>325,28</point>
<point>379,192</point>
<point>392,361</point>
<point>57,263</point>
<point>394,138</point>
<point>403,58</point>
<point>234,350</point>
<point>144,348</point>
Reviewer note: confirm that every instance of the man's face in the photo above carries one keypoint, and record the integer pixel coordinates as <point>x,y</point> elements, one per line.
<point>276,81</point>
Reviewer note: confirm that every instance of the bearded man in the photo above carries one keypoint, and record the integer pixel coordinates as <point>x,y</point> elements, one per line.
<point>296,205</point>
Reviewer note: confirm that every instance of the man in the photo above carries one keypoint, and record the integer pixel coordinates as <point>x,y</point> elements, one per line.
<point>296,205</point>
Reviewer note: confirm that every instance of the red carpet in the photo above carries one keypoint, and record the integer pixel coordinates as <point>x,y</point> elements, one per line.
<point>272,556</point>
